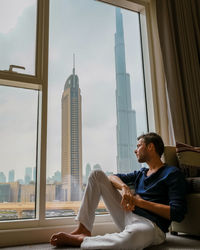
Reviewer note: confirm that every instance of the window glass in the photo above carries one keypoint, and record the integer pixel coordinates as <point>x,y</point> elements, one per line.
<point>18,35</point>
<point>18,133</point>
<point>96,101</point>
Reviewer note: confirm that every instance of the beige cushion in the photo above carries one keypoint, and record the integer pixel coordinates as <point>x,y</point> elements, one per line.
<point>189,159</point>
<point>169,156</point>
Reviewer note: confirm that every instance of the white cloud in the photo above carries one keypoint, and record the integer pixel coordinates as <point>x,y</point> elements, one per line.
<point>10,11</point>
<point>18,45</point>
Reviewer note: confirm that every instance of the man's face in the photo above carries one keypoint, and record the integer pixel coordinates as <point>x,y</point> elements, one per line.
<point>141,151</point>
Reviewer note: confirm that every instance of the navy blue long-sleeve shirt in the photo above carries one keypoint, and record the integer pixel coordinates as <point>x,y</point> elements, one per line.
<point>166,186</point>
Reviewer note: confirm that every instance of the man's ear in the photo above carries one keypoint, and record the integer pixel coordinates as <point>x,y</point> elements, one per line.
<point>151,146</point>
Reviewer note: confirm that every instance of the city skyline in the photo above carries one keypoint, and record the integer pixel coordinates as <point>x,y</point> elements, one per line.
<point>56,177</point>
<point>28,176</point>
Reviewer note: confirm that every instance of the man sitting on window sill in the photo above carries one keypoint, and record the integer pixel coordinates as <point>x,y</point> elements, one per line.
<point>143,217</point>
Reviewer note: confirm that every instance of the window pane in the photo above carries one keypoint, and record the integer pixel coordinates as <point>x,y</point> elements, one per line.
<point>18,133</point>
<point>18,35</point>
<point>96,102</point>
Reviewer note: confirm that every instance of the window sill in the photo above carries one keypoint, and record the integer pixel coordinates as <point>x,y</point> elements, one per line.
<point>42,234</point>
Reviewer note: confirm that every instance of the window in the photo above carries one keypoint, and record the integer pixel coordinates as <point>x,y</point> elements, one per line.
<point>18,36</point>
<point>75,77</point>
<point>96,101</point>
<point>18,116</point>
<point>20,109</point>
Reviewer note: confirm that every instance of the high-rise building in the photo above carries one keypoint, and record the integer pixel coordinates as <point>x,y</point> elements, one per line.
<point>71,169</point>
<point>11,175</point>
<point>5,192</point>
<point>15,191</point>
<point>20,181</point>
<point>2,177</point>
<point>126,116</point>
<point>57,176</point>
<point>27,193</point>
<point>34,174</point>
<point>88,171</point>
<point>28,175</point>
<point>97,167</point>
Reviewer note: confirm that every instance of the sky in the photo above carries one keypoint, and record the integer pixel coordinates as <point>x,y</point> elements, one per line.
<point>85,28</point>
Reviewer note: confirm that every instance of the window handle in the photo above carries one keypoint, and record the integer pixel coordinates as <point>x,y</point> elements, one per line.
<point>15,66</point>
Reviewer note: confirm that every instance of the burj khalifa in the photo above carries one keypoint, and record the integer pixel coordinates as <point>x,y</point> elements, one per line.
<point>126,116</point>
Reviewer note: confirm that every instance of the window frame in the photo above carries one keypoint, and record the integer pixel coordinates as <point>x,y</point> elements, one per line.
<point>40,82</point>
<point>33,81</point>
<point>37,82</point>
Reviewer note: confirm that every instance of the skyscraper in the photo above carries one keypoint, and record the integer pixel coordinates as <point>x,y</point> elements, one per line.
<point>97,167</point>
<point>88,171</point>
<point>71,169</point>
<point>126,116</point>
<point>57,176</point>
<point>2,177</point>
<point>34,174</point>
<point>11,175</point>
<point>28,175</point>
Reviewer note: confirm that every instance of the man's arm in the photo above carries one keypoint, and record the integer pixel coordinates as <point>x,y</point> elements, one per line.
<point>127,201</point>
<point>157,208</point>
<point>176,209</point>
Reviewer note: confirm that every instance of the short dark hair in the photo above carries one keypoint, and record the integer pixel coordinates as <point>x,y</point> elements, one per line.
<point>155,139</point>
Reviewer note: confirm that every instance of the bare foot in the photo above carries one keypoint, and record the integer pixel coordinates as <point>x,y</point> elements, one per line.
<point>64,239</point>
<point>81,230</point>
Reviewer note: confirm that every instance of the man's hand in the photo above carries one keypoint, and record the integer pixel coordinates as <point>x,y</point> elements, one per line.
<point>137,198</point>
<point>127,199</point>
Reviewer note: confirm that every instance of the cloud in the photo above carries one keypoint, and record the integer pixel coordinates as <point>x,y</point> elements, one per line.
<point>10,11</point>
<point>18,45</point>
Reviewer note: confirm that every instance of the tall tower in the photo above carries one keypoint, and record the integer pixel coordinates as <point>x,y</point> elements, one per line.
<point>71,170</point>
<point>28,175</point>
<point>2,177</point>
<point>11,175</point>
<point>126,117</point>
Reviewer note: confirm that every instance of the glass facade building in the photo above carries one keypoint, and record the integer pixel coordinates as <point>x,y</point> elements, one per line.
<point>126,116</point>
<point>71,160</point>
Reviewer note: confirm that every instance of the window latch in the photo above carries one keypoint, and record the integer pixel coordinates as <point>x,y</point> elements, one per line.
<point>15,66</point>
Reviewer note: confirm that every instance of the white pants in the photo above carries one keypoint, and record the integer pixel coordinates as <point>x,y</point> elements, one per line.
<point>137,232</point>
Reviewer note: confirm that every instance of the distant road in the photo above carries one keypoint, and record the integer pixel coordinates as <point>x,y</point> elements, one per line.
<point>19,207</point>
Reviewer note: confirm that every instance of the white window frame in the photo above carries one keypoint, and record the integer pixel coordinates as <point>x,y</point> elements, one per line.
<point>40,229</point>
